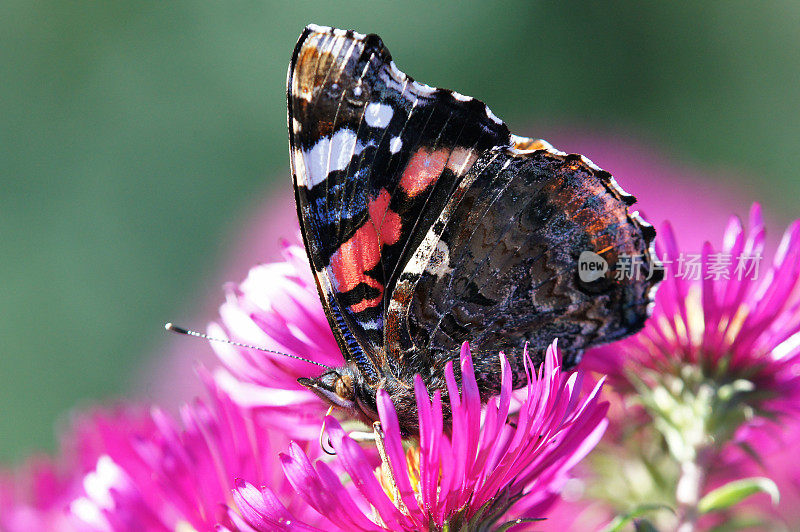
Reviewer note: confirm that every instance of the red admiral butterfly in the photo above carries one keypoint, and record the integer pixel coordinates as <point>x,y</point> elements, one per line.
<point>427,224</point>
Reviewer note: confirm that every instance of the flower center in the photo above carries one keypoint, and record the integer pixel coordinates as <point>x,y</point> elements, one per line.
<point>386,476</point>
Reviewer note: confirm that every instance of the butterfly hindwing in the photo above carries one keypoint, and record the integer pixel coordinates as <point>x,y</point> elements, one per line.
<point>375,158</point>
<point>499,268</point>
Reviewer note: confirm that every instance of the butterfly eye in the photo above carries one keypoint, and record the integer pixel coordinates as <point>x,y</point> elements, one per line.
<point>344,387</point>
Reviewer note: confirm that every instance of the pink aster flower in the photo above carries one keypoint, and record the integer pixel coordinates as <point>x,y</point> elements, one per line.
<point>39,495</point>
<point>126,472</point>
<point>33,498</point>
<point>183,476</point>
<point>488,467</point>
<point>276,307</point>
<point>739,320</point>
<point>716,364</point>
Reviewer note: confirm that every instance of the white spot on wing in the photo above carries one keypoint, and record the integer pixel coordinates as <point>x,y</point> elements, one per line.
<point>588,162</point>
<point>370,325</point>
<point>619,189</point>
<point>378,115</point>
<point>395,144</point>
<point>439,263</point>
<point>329,155</point>
<point>460,97</point>
<point>319,29</point>
<point>398,75</point>
<point>316,28</point>
<point>424,90</point>
<point>493,116</point>
<point>299,93</point>
<point>395,72</point>
<point>461,159</point>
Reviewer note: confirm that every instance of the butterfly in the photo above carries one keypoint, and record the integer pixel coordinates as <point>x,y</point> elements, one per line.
<point>428,224</point>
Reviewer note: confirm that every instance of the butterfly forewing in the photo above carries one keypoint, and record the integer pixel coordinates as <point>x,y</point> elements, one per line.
<point>375,156</point>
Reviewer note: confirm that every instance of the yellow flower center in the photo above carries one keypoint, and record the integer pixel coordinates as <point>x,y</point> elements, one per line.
<point>386,476</point>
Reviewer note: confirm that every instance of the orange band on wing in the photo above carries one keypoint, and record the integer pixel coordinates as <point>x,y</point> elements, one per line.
<point>424,168</point>
<point>386,222</point>
<point>366,303</point>
<point>356,256</point>
<point>362,252</point>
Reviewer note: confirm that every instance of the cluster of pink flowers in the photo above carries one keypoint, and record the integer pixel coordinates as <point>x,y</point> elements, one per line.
<point>481,473</point>
<point>276,307</point>
<point>249,457</point>
<point>130,469</point>
<point>717,369</point>
<point>731,328</point>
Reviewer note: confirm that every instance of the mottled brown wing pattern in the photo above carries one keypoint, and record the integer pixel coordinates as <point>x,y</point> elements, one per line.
<point>500,268</point>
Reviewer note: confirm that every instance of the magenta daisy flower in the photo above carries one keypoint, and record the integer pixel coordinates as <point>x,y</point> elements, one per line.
<point>728,313</point>
<point>278,308</point>
<point>488,467</point>
<point>718,361</point>
<point>125,472</point>
<point>184,476</point>
<point>33,498</point>
<point>39,495</point>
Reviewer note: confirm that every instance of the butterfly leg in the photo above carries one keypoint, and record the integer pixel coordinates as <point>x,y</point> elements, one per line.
<point>359,436</point>
<point>387,472</point>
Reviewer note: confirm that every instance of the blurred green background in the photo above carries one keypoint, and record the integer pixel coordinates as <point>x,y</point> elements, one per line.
<point>136,136</point>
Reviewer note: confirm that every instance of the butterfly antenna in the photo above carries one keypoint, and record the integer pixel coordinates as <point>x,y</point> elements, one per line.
<point>188,332</point>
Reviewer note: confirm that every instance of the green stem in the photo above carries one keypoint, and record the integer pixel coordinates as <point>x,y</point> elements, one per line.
<point>688,493</point>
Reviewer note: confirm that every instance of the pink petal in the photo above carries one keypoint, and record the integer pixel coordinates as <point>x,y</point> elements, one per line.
<point>355,462</point>
<point>394,450</point>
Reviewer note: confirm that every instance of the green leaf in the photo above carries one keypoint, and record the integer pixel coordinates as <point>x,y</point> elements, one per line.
<point>737,523</point>
<point>735,492</point>
<point>621,520</point>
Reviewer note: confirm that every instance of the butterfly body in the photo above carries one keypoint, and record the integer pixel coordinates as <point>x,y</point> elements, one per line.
<point>428,224</point>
